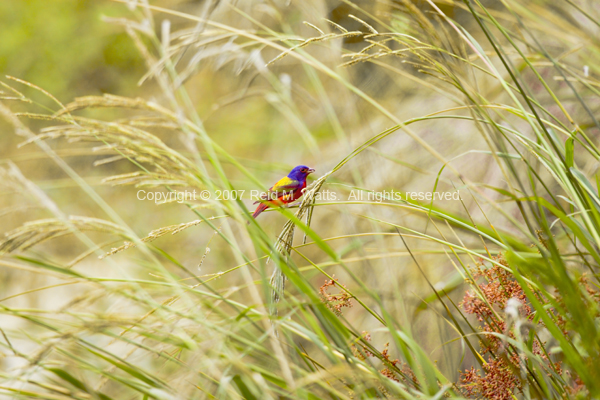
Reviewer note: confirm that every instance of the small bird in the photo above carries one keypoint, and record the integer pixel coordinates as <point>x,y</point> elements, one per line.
<point>287,190</point>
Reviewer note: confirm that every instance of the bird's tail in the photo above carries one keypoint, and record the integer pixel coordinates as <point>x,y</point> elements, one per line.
<point>261,207</point>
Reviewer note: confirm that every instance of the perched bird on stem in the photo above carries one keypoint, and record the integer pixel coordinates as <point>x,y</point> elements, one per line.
<point>287,190</point>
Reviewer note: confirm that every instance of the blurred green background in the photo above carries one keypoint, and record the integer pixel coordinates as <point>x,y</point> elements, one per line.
<point>64,47</point>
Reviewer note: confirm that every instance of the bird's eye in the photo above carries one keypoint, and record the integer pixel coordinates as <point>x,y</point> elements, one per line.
<point>303,170</point>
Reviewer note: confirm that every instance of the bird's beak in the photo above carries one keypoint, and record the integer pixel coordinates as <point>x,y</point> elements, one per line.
<point>310,171</point>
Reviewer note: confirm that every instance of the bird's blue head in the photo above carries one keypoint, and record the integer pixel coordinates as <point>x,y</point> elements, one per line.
<point>300,173</point>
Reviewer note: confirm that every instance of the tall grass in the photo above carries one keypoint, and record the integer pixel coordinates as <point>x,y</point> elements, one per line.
<point>494,295</point>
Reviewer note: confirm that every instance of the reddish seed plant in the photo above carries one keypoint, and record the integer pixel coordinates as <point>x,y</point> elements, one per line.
<point>335,302</point>
<point>364,352</point>
<point>594,296</point>
<point>393,369</point>
<point>500,375</point>
<point>406,374</point>
<point>498,383</point>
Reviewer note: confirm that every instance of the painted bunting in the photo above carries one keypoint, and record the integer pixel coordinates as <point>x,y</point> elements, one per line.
<point>287,190</point>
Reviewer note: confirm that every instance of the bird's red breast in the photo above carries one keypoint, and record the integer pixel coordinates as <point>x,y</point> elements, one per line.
<point>287,190</point>
<point>286,196</point>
